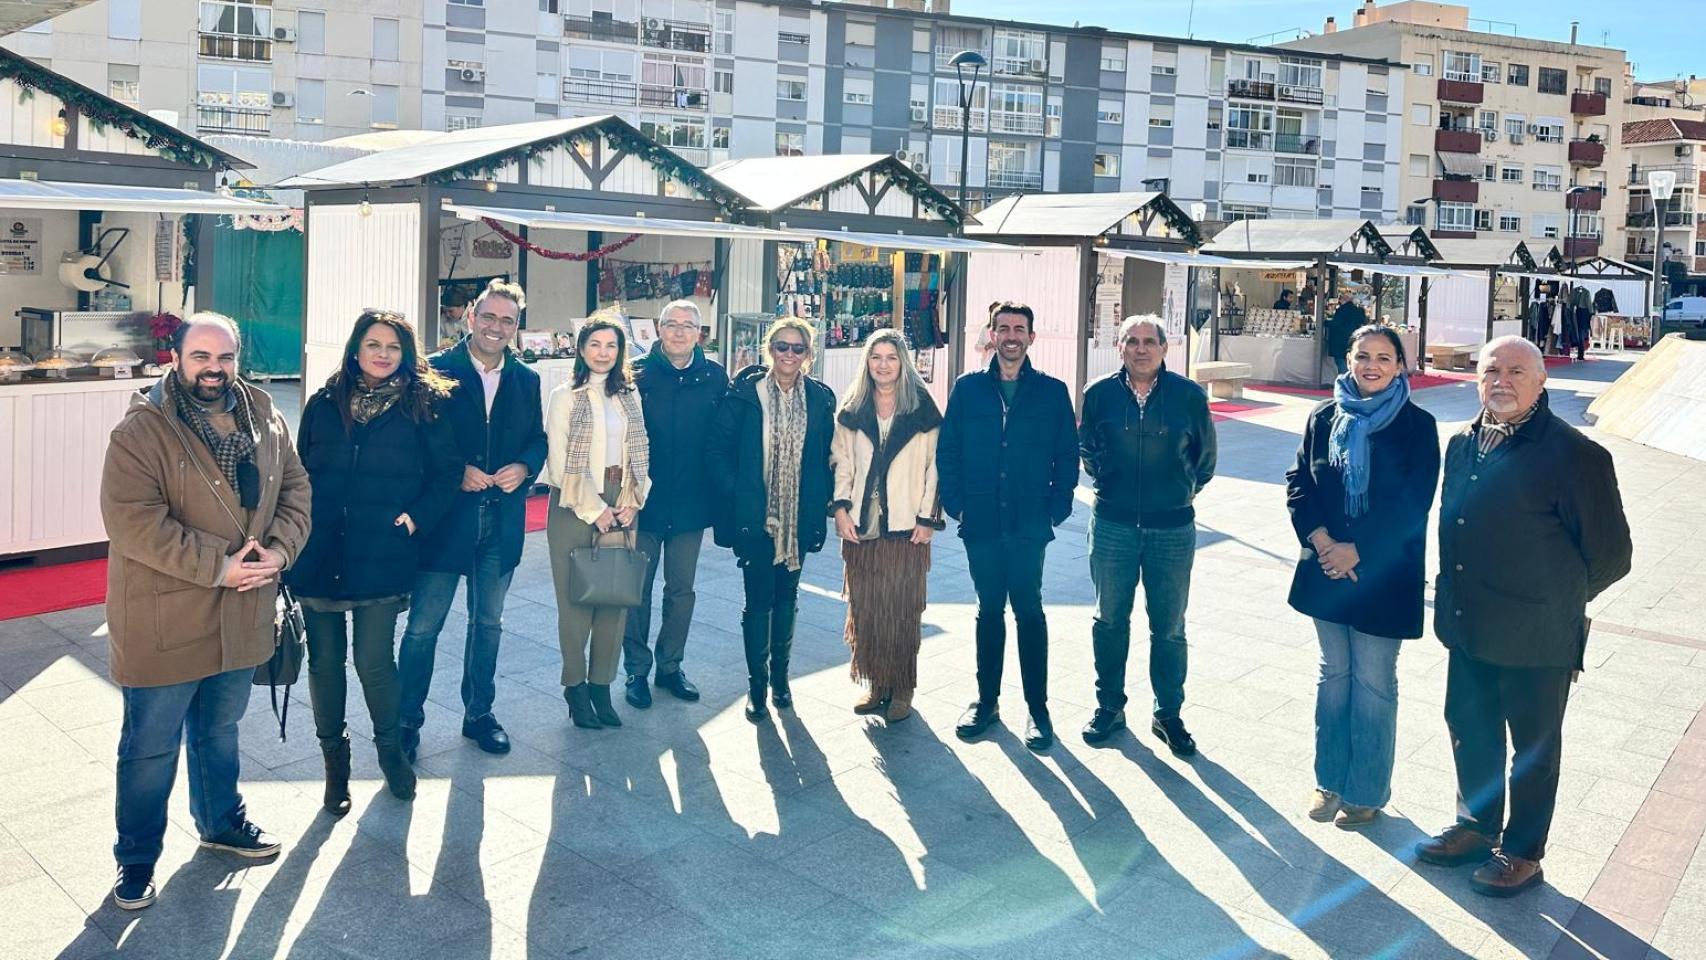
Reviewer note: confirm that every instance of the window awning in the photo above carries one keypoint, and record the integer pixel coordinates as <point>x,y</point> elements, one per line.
<point>1460,164</point>
<point>566,220</point>
<point>1207,260</point>
<point>907,241</point>
<point>1406,270</point>
<point>62,195</point>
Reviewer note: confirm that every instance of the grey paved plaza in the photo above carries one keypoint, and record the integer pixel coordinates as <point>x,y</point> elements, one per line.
<point>691,833</point>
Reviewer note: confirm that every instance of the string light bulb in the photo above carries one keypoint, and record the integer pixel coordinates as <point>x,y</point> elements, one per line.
<point>491,186</point>
<point>364,208</point>
<point>61,126</point>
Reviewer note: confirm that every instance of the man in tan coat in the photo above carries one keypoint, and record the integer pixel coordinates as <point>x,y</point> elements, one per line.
<point>205,504</point>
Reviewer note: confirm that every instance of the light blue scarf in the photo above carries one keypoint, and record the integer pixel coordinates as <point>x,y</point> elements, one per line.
<point>1356,419</point>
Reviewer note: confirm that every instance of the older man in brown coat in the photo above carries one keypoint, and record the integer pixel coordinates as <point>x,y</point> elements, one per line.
<point>205,504</point>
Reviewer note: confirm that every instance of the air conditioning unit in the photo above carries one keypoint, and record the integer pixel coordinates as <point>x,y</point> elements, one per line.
<point>1682,150</point>
<point>1039,66</point>
<point>921,168</point>
<point>1287,90</point>
<point>918,114</point>
<point>653,23</point>
<point>1490,134</point>
<point>284,34</point>
<point>281,98</point>
<point>473,75</point>
<point>1534,128</point>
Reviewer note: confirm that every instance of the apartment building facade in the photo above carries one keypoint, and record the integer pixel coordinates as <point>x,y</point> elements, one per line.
<point>313,70</point>
<point>1679,147</point>
<point>1502,135</point>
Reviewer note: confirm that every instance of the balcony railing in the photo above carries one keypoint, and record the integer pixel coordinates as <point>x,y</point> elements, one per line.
<point>1589,198</point>
<point>1576,248</point>
<point>1294,93</point>
<point>1002,121</point>
<point>1457,141</point>
<point>698,156</point>
<point>226,47</point>
<point>1587,153</point>
<point>1016,179</point>
<point>1457,191</point>
<point>680,98</point>
<point>1685,173</point>
<point>1461,91</point>
<point>945,54</point>
<point>1250,139</point>
<point>1673,218</point>
<point>239,120</point>
<point>677,35</point>
<point>1019,67</point>
<point>622,93</point>
<point>600,28</point>
<point>1587,103</point>
<point>1250,89</point>
<point>1307,144</point>
<point>947,117</point>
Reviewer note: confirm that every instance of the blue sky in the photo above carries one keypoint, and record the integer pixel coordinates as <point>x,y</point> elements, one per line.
<point>1678,46</point>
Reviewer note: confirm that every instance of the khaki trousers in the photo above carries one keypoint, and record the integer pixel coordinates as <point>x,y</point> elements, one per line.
<point>579,627</point>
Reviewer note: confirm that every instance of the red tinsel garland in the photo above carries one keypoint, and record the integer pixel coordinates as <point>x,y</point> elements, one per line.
<point>548,254</point>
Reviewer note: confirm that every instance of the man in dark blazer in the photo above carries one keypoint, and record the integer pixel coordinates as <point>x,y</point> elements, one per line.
<point>497,416</point>
<point>1531,528</point>
<point>1006,466</point>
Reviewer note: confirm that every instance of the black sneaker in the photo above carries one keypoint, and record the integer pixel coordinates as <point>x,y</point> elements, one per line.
<point>977,718</point>
<point>135,887</point>
<point>247,840</point>
<point>1104,725</point>
<point>638,693</point>
<point>1179,740</point>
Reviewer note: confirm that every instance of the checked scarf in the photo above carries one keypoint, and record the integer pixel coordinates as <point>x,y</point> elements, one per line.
<point>787,426</point>
<point>586,425</point>
<point>1491,431</point>
<point>229,451</point>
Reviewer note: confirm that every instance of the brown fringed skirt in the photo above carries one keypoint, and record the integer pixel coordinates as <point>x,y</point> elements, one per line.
<point>884,587</point>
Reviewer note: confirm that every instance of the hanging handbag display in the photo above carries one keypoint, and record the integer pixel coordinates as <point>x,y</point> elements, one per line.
<point>607,576</point>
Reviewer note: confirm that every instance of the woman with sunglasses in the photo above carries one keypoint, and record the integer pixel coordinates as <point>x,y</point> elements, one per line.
<point>768,458</point>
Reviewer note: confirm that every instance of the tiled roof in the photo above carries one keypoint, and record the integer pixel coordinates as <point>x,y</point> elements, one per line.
<point>1663,131</point>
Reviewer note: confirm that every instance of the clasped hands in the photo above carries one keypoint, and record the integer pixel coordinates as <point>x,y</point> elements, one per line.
<point>254,566</point>
<point>506,479</point>
<point>1338,560</point>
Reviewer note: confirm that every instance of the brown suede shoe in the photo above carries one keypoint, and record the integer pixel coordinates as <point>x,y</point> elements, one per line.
<point>874,701</point>
<point>1504,875</point>
<point>1457,844</point>
<point>900,706</point>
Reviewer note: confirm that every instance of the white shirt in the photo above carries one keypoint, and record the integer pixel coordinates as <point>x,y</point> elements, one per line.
<point>489,380</point>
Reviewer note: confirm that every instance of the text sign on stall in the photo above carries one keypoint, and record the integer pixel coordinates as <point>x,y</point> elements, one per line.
<point>20,247</point>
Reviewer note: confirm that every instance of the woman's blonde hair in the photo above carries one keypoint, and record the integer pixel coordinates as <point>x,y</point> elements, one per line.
<point>908,389</point>
<point>799,326</point>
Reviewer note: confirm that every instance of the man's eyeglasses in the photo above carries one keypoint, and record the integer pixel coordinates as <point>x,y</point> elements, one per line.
<point>495,318</point>
<point>679,325</point>
<point>783,346</point>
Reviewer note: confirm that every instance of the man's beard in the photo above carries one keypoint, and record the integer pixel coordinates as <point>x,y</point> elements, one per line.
<point>204,391</point>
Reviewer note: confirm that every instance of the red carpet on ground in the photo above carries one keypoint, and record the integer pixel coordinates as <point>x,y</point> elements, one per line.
<point>36,590</point>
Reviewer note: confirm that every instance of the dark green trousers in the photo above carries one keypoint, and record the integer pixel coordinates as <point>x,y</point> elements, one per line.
<point>329,642</point>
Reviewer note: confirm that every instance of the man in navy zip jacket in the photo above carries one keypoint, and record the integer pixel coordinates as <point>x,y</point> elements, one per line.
<point>1007,463</point>
<point>498,418</point>
<point>1148,441</point>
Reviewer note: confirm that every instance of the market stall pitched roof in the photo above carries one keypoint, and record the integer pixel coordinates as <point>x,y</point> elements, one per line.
<point>1408,240</point>
<point>490,148</point>
<point>99,109</point>
<point>778,183</point>
<point>1317,237</point>
<point>273,160</point>
<point>1081,215</point>
<point>1487,252</point>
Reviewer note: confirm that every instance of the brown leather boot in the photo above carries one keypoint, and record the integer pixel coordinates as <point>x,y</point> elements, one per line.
<point>873,702</point>
<point>1505,875</point>
<point>1457,844</point>
<point>900,706</point>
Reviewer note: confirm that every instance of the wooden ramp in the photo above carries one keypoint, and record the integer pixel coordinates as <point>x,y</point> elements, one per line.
<point>1661,400</point>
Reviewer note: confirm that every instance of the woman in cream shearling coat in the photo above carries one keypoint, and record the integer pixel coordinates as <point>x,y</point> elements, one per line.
<point>886,510</point>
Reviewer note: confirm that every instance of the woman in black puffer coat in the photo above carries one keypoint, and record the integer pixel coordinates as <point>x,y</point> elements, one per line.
<point>384,470</point>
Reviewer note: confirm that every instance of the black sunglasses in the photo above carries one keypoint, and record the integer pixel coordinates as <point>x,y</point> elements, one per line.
<point>783,346</point>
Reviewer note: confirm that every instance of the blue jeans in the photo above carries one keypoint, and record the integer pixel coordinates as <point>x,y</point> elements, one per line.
<point>1356,714</point>
<point>1122,555</point>
<point>1010,573</point>
<point>488,584</point>
<point>201,714</point>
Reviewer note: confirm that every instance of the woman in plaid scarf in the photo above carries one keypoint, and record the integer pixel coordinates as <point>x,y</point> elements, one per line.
<point>596,466</point>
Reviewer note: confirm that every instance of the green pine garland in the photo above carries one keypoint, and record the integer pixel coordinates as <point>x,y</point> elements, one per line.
<point>103,112</point>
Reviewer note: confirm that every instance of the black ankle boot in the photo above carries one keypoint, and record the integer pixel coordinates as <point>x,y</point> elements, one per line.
<point>579,698</point>
<point>336,800</point>
<point>600,696</point>
<point>756,711</point>
<point>399,776</point>
<point>781,645</point>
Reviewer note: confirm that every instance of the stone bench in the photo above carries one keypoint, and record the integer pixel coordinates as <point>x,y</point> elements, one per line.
<point>1224,378</point>
<point>1450,356</point>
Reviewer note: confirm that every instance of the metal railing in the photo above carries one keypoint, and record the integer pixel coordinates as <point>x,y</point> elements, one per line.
<point>1461,76</point>
<point>678,98</point>
<point>677,35</point>
<point>220,46</point>
<point>1016,179</point>
<point>1249,139</point>
<point>1003,121</point>
<point>598,28</point>
<point>1307,144</point>
<point>623,93</point>
<point>945,54</point>
<point>1250,89</point>
<point>947,117</point>
<point>1296,93</point>
<point>241,120</point>
<point>1685,173</point>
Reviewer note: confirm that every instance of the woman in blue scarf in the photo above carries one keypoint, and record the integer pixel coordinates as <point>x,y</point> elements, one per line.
<point>1359,498</point>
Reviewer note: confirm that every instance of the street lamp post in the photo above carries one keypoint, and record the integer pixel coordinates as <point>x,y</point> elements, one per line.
<point>1660,183</point>
<point>976,61</point>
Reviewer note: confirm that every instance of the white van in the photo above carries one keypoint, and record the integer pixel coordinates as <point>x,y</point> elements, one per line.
<point>1686,311</point>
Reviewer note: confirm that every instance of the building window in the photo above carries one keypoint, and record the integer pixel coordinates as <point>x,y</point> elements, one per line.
<point>1424,66</point>
<point>235,31</point>
<point>1242,211</point>
<point>790,89</point>
<point>1546,225</point>
<point>723,24</point>
<point>310,100</point>
<point>1421,115</point>
<point>467,3</point>
<point>1113,57</point>
<point>1165,63</point>
<point>1459,65</point>
<point>1549,132</point>
<point>548,6</point>
<point>1490,120</point>
<point>1300,73</point>
<point>1051,116</point>
<point>460,121</point>
<point>384,105</point>
<point>796,39</point>
<point>1489,172</point>
<point>675,132</point>
<point>1418,164</point>
<point>919,103</point>
<point>1250,128</point>
<point>233,99</point>
<point>1514,129</point>
<point>1454,216</point>
<point>723,81</point>
<point>719,138</point>
<point>1553,80</point>
<point>124,19</point>
<point>1548,178</point>
<point>1289,172</point>
<point>1110,111</point>
<point>124,82</point>
<point>1160,114</point>
<point>310,32</point>
<point>790,144</point>
<point>856,90</point>
<point>1517,75</point>
<point>1415,215</point>
<point>1602,86</point>
<point>1106,165</point>
<point>1510,173</point>
<point>1510,222</point>
<point>861,34</point>
<point>1490,72</point>
<point>385,39</point>
<point>1483,219</point>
